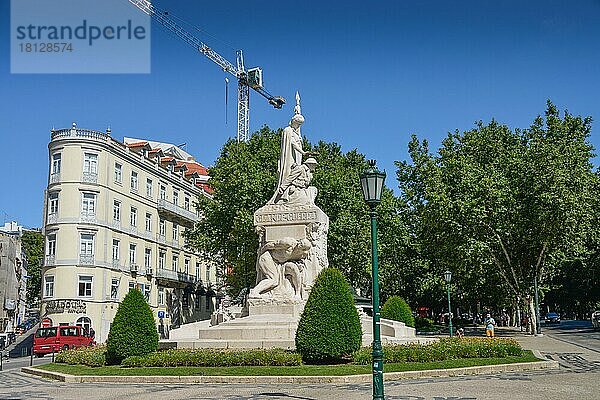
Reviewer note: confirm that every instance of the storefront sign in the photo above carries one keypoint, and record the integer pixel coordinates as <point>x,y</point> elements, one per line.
<point>68,306</point>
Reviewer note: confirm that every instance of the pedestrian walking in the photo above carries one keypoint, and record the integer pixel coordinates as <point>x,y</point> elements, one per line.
<point>490,323</point>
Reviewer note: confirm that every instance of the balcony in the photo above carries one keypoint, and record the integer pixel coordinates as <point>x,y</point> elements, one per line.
<point>86,259</point>
<point>174,276</point>
<point>133,268</point>
<point>49,261</point>
<point>174,212</point>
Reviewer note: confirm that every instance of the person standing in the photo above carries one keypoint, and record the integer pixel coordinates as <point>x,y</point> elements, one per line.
<point>490,323</point>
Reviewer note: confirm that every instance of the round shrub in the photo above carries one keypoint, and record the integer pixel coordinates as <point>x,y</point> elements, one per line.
<point>329,327</point>
<point>133,332</point>
<point>395,308</point>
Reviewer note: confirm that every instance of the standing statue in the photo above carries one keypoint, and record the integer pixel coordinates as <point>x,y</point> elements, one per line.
<point>291,145</point>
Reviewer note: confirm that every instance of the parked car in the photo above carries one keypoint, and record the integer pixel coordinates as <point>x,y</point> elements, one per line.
<point>552,318</point>
<point>56,338</point>
<point>596,319</point>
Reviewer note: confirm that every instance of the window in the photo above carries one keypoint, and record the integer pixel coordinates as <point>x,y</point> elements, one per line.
<point>49,286</point>
<point>175,262</point>
<point>146,290</point>
<point>175,232</point>
<point>161,227</point>
<point>134,181</point>
<point>51,248</point>
<point>85,323</point>
<point>208,273</point>
<point>118,173</point>
<point>88,204</point>
<point>131,285</point>
<point>163,192</point>
<point>116,210</point>
<point>116,251</point>
<point>186,266</point>
<point>207,303</point>
<point>85,286</point>
<point>148,258</point>
<point>198,271</point>
<point>114,288</point>
<point>175,197</point>
<point>148,222</point>
<point>132,248</point>
<point>185,302</point>
<point>149,187</point>
<point>87,244</point>
<point>133,216</point>
<point>186,203</point>
<point>161,296</point>
<point>56,158</point>
<point>53,203</point>
<point>197,301</point>
<point>161,259</point>
<point>90,163</point>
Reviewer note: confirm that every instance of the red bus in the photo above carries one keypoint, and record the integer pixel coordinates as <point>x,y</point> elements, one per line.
<point>58,338</point>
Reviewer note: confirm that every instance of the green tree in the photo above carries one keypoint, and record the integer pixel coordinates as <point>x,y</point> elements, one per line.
<point>503,207</point>
<point>133,331</point>
<point>329,327</point>
<point>33,244</point>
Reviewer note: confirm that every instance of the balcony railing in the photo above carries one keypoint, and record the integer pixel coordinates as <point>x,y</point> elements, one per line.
<point>52,218</point>
<point>49,261</point>
<point>88,217</point>
<point>89,177</point>
<point>86,259</point>
<point>186,216</point>
<point>55,177</point>
<point>175,276</point>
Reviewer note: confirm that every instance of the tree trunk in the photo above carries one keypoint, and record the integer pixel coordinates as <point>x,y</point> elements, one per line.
<point>532,316</point>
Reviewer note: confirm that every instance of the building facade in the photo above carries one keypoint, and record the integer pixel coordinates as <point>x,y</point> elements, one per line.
<point>115,214</point>
<point>13,278</point>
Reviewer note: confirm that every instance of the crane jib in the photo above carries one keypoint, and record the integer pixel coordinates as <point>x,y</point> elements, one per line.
<point>165,21</point>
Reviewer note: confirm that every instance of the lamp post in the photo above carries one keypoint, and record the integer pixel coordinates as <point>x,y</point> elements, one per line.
<point>448,278</point>
<point>372,185</point>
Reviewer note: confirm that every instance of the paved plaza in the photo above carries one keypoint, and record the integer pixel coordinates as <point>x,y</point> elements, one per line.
<point>577,352</point>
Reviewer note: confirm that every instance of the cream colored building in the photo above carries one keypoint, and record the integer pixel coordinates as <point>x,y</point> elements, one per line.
<point>115,214</point>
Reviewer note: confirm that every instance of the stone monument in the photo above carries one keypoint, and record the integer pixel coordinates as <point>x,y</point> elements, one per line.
<point>292,235</point>
<point>292,230</point>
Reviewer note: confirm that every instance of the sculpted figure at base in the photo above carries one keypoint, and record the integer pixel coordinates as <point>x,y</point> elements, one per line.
<point>277,260</point>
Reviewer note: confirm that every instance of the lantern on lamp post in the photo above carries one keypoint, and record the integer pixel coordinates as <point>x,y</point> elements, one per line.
<point>372,186</point>
<point>448,278</point>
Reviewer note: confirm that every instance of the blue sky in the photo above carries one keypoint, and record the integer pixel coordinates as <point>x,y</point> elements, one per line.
<point>369,73</point>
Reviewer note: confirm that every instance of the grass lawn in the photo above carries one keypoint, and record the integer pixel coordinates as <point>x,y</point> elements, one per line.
<point>304,370</point>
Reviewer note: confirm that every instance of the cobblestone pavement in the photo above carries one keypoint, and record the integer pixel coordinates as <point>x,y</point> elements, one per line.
<point>577,378</point>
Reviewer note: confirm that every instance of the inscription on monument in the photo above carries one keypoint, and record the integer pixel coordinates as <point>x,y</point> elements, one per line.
<point>283,217</point>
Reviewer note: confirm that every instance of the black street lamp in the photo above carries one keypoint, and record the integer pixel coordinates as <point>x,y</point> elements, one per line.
<point>372,186</point>
<point>448,278</point>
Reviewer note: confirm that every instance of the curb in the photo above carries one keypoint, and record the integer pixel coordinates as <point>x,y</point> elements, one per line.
<point>366,378</point>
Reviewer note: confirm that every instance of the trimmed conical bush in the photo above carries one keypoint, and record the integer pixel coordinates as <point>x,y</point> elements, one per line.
<point>329,327</point>
<point>395,308</point>
<point>133,331</point>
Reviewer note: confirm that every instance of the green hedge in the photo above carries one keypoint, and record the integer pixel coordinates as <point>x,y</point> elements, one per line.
<point>329,328</point>
<point>445,349</point>
<point>214,358</point>
<point>90,356</point>
<point>133,331</point>
<point>396,309</point>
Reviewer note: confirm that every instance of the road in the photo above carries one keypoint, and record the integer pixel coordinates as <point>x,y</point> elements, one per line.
<point>572,344</point>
